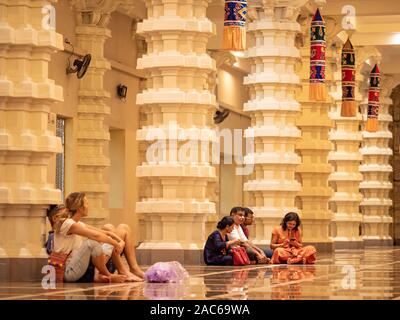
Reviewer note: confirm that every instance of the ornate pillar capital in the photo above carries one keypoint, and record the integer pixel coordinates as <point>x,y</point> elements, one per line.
<point>222,57</point>
<point>94,12</point>
<point>366,58</point>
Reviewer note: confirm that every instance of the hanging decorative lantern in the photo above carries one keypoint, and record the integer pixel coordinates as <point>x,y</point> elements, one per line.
<point>373,100</point>
<point>317,58</point>
<point>234,37</point>
<point>349,107</point>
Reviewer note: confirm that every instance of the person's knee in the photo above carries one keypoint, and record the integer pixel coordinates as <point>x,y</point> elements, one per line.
<point>95,247</point>
<point>228,260</point>
<point>108,227</point>
<point>124,227</point>
<point>268,253</point>
<point>123,230</point>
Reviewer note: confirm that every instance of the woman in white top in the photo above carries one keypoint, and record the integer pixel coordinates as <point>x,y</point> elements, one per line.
<point>256,255</point>
<point>85,243</point>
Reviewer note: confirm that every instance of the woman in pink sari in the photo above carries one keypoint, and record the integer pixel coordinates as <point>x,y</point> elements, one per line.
<point>286,243</point>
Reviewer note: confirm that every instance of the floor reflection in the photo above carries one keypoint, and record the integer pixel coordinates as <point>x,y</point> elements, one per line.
<point>285,281</point>
<point>343,275</point>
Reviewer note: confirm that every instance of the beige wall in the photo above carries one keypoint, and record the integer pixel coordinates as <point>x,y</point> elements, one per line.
<point>231,92</point>
<point>232,95</point>
<point>121,51</point>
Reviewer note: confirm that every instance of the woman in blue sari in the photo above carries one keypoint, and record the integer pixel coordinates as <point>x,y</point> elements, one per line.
<point>217,247</point>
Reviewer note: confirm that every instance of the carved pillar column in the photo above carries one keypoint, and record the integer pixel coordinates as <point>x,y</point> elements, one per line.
<point>376,170</point>
<point>178,131</point>
<point>273,110</point>
<point>314,147</point>
<point>92,130</point>
<point>396,163</point>
<point>345,159</point>
<point>27,137</point>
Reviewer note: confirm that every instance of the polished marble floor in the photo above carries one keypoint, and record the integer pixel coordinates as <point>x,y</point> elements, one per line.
<point>343,275</point>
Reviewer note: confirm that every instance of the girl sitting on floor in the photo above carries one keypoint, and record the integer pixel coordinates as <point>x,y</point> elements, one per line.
<point>216,249</point>
<point>85,243</point>
<point>286,243</point>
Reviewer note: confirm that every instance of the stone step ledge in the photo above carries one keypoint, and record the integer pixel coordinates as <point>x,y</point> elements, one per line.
<point>289,132</point>
<point>93,188</point>
<point>344,156</point>
<point>24,193</point>
<point>99,161</point>
<point>166,133</point>
<point>379,135</point>
<point>345,217</point>
<point>163,206</point>
<point>346,176</point>
<point>375,151</point>
<point>376,185</point>
<point>273,158</point>
<point>271,78</point>
<point>28,36</point>
<point>377,202</point>
<point>28,142</point>
<point>320,146</point>
<point>375,219</point>
<point>175,59</point>
<point>308,121</point>
<point>280,52</point>
<point>272,185</point>
<point>271,104</point>
<point>175,23</point>
<point>337,117</point>
<point>315,192</point>
<point>32,90</point>
<point>314,168</point>
<point>345,136</point>
<point>176,96</point>
<point>379,168</point>
<point>96,136</point>
<point>273,26</point>
<point>346,197</point>
<point>175,170</point>
<point>381,117</point>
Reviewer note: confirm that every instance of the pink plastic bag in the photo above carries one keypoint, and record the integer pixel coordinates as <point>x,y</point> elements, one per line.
<point>166,272</point>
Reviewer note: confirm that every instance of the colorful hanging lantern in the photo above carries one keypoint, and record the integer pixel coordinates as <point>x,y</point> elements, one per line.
<point>317,58</point>
<point>234,37</point>
<point>349,107</point>
<point>373,100</point>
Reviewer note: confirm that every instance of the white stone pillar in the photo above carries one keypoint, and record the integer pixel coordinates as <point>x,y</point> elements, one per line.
<point>345,159</point>
<point>27,137</point>
<point>273,110</point>
<point>314,148</point>
<point>178,106</point>
<point>93,111</point>
<point>376,171</point>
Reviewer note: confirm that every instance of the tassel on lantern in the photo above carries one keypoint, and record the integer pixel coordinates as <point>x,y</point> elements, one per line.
<point>234,36</point>
<point>317,59</point>
<point>371,125</point>
<point>373,100</point>
<point>349,106</point>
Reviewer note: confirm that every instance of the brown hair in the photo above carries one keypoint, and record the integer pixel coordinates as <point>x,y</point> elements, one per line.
<point>73,202</point>
<point>52,211</point>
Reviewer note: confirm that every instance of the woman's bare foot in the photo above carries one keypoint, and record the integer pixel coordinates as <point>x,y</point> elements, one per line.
<point>130,277</point>
<point>100,278</point>
<point>118,278</point>
<point>138,272</point>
